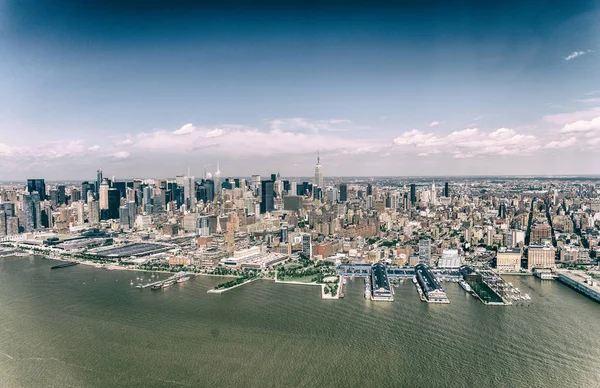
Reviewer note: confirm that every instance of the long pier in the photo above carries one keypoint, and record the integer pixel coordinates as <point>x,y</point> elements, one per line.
<point>160,282</point>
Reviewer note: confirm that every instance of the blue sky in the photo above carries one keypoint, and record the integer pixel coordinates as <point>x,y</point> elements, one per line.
<point>381,88</point>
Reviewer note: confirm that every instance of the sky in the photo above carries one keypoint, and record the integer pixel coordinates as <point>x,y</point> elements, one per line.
<point>378,88</point>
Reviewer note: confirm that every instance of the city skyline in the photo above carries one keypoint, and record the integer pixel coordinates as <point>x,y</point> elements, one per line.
<point>403,90</point>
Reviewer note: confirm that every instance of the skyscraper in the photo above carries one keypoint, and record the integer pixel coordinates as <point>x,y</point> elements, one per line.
<point>103,194</point>
<point>2,223</point>
<point>413,193</point>
<point>85,188</point>
<point>62,194</point>
<point>433,194</point>
<point>283,234</point>
<point>94,212</point>
<point>446,190</point>
<point>32,218</point>
<point>266,203</point>
<point>217,179</point>
<point>98,182</point>
<point>38,185</point>
<point>307,246</point>
<point>343,192</point>
<point>114,201</point>
<point>189,192</point>
<point>319,174</point>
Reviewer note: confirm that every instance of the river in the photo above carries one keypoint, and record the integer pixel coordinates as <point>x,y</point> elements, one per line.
<point>86,327</point>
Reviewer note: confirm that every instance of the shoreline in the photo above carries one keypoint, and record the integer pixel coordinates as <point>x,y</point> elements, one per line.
<point>222,290</point>
<point>109,266</point>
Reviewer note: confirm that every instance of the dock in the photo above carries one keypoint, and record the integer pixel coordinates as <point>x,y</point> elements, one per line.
<point>580,281</point>
<point>64,265</point>
<point>161,282</point>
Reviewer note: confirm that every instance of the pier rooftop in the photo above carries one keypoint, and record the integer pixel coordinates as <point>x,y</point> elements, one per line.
<point>581,282</point>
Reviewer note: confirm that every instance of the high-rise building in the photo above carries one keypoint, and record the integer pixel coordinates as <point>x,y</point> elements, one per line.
<point>62,195</point>
<point>132,212</point>
<point>114,202</point>
<point>343,192</point>
<point>369,189</point>
<point>94,212</point>
<point>189,192</point>
<point>2,223</point>
<point>217,179</point>
<point>32,217</point>
<point>203,229</point>
<point>85,188</point>
<point>12,226</point>
<point>267,202</point>
<point>38,185</point>
<point>433,194</point>
<point>413,193</point>
<point>124,217</point>
<point>103,194</point>
<point>502,211</point>
<point>98,182</point>
<point>425,251</point>
<point>446,190</point>
<point>307,246</point>
<point>283,234</point>
<point>255,185</point>
<point>319,174</point>
<point>75,195</point>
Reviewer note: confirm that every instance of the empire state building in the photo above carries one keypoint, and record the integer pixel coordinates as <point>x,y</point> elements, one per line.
<point>319,174</point>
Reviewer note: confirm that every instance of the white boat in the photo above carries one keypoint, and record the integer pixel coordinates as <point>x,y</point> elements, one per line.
<point>168,283</point>
<point>465,286</point>
<point>414,279</point>
<point>183,279</point>
<point>344,281</point>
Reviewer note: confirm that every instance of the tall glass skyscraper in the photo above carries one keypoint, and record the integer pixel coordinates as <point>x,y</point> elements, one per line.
<point>266,203</point>
<point>32,217</point>
<point>38,185</point>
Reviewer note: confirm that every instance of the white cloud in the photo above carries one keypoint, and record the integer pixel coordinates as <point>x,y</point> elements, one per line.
<point>124,142</point>
<point>592,92</point>
<point>94,148</point>
<point>582,126</point>
<point>417,138</point>
<point>471,142</point>
<point>184,130</point>
<point>569,117</point>
<point>561,143</point>
<point>120,155</point>
<point>299,124</point>
<point>576,54</point>
<point>434,123</point>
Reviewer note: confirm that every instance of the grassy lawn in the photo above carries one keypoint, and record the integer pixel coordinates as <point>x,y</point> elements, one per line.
<point>292,266</point>
<point>303,279</point>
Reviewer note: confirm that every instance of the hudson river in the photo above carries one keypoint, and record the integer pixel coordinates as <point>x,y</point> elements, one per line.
<point>87,327</point>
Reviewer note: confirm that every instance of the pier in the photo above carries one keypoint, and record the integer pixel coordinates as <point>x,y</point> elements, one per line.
<point>580,281</point>
<point>161,282</point>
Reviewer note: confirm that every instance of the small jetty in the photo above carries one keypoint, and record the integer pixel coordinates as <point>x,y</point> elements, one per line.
<point>64,265</point>
<point>179,277</point>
